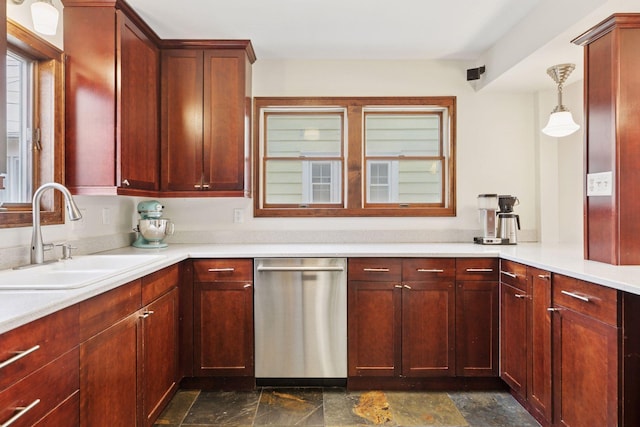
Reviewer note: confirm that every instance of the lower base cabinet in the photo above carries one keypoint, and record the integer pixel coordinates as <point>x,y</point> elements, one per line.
<point>129,352</point>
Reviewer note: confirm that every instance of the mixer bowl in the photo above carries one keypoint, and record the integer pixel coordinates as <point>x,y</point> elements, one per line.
<point>154,230</point>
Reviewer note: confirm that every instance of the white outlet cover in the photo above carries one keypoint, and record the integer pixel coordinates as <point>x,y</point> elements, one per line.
<point>600,184</point>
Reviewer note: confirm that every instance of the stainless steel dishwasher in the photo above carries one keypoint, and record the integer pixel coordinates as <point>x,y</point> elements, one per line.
<point>300,320</point>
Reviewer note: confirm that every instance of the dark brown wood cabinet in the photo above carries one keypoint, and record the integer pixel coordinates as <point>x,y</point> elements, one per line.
<point>611,90</point>
<point>206,112</point>
<point>111,99</point>
<point>41,352</point>
<point>223,318</point>
<point>477,315</point>
<point>129,351</point>
<point>408,318</point>
<point>525,331</point>
<point>585,353</point>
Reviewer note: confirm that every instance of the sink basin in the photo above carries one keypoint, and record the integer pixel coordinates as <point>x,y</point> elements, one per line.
<point>73,273</point>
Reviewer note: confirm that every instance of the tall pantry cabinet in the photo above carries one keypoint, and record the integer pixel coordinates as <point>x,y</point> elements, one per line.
<point>612,138</point>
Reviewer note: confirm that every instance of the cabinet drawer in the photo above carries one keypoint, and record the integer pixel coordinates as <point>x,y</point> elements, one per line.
<point>428,269</point>
<point>223,270</point>
<point>586,298</point>
<point>477,268</point>
<point>37,343</point>
<point>514,274</point>
<point>102,311</point>
<point>158,283</point>
<point>375,269</point>
<point>41,391</point>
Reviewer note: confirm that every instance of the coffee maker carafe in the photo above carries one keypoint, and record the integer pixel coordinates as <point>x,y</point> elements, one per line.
<point>508,222</point>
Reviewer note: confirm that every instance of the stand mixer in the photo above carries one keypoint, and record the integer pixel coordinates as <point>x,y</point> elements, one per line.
<point>152,228</point>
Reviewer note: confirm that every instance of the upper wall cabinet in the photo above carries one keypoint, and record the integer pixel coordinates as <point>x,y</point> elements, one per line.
<point>206,118</point>
<point>612,90</point>
<point>112,84</point>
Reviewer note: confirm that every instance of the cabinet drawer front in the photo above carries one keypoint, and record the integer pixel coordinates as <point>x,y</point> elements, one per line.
<point>428,269</point>
<point>226,270</point>
<point>41,391</point>
<point>375,269</point>
<point>586,298</point>
<point>102,311</point>
<point>514,274</point>
<point>158,283</point>
<point>477,268</point>
<point>26,349</point>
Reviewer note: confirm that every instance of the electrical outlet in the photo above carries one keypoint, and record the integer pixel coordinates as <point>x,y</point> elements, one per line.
<point>600,184</point>
<point>238,215</point>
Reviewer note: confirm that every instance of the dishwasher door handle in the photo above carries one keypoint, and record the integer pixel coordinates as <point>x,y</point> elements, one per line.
<point>299,268</point>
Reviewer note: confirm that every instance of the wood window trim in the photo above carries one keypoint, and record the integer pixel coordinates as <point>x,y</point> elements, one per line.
<point>49,164</point>
<point>354,178</point>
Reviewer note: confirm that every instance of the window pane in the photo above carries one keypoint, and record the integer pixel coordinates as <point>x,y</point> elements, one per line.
<point>379,185</point>
<point>16,153</point>
<point>419,181</point>
<point>402,135</point>
<point>303,182</point>
<point>304,135</point>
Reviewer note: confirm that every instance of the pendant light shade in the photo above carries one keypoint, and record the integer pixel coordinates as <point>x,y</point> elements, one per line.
<point>45,17</point>
<point>560,122</point>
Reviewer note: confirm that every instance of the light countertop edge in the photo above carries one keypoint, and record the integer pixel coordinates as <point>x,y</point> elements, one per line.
<point>20,307</point>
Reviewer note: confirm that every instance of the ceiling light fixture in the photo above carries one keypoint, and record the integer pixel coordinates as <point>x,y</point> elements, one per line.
<point>45,17</point>
<point>560,121</point>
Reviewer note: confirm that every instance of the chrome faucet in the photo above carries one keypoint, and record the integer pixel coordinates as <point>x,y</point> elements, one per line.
<point>37,247</point>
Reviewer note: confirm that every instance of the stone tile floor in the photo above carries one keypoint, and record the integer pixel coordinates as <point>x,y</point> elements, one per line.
<point>337,407</point>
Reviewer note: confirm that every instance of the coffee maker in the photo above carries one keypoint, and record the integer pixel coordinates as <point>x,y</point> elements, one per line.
<point>508,222</point>
<point>487,208</point>
<point>152,228</point>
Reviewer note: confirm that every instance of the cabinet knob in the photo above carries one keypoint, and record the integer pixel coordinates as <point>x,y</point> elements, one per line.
<point>146,314</point>
<point>125,183</point>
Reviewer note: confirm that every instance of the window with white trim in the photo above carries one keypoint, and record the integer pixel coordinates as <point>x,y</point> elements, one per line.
<point>355,156</point>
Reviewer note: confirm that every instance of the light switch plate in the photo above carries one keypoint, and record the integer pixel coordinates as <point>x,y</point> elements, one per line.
<point>600,184</point>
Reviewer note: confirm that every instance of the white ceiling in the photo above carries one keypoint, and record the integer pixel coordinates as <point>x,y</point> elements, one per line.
<point>481,32</point>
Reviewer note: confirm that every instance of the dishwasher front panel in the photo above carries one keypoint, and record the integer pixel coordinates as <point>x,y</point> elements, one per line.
<point>300,317</point>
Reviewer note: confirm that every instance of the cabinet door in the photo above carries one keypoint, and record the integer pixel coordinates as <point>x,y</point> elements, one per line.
<point>160,354</point>
<point>428,329</point>
<point>375,327</point>
<point>477,328</point>
<point>223,329</point>
<point>224,126</point>
<point>513,338</point>
<point>539,379</point>
<point>137,108</point>
<point>108,375</point>
<point>181,132</point>
<point>585,371</point>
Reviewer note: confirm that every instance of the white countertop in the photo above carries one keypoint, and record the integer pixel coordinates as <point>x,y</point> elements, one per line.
<point>19,307</point>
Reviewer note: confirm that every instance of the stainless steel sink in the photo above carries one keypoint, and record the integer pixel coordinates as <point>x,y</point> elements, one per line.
<point>78,272</point>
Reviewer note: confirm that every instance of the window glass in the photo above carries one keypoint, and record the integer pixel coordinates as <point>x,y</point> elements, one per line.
<point>303,161</point>
<point>17,169</point>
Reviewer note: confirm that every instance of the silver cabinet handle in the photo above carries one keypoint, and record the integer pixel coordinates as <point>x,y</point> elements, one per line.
<point>479,270</point>
<point>512,275</point>
<point>429,270</point>
<point>18,356</point>
<point>544,276</point>
<point>407,287</point>
<point>125,183</point>
<point>397,286</point>
<point>283,268</point>
<point>146,314</point>
<point>376,270</point>
<point>248,285</point>
<point>221,270</point>
<point>205,186</point>
<point>576,296</point>
<point>22,411</point>
<point>552,309</point>
<point>520,295</point>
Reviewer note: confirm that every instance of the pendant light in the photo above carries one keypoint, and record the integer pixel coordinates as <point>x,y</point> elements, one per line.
<point>560,121</point>
<point>45,17</point>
